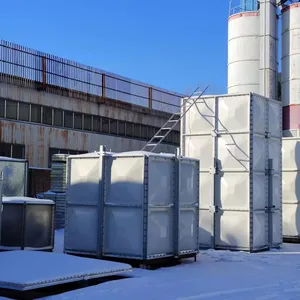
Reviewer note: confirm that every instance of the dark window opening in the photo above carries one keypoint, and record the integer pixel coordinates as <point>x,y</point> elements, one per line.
<point>11,109</point>
<point>87,122</point>
<point>105,125</point>
<point>78,121</point>
<point>137,131</point>
<point>121,128</point>
<point>113,126</point>
<point>129,129</point>
<point>58,117</point>
<point>2,108</point>
<point>5,149</point>
<point>151,132</point>
<point>96,124</point>
<point>24,111</point>
<point>68,120</point>
<point>12,150</point>
<point>144,132</point>
<point>53,151</point>
<point>47,115</point>
<point>18,151</point>
<point>36,115</point>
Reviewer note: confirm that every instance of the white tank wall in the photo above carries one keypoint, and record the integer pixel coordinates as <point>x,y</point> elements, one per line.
<point>291,55</point>
<point>243,53</point>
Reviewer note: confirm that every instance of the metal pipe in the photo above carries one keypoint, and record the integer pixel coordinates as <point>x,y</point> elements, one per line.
<point>268,40</point>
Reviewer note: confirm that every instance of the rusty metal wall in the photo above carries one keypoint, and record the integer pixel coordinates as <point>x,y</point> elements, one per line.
<point>38,139</point>
<point>43,72</point>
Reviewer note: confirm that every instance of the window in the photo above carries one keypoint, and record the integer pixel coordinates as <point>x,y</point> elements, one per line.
<point>24,111</point>
<point>137,130</point>
<point>121,128</point>
<point>58,117</point>
<point>18,151</point>
<point>68,120</point>
<point>11,109</point>
<point>113,129</point>
<point>96,124</point>
<point>144,132</point>
<point>87,122</point>
<point>5,149</point>
<point>105,125</point>
<point>36,115</point>
<point>47,115</point>
<point>78,121</point>
<point>129,129</point>
<point>2,107</point>
<point>12,150</point>
<point>53,151</point>
<point>151,132</point>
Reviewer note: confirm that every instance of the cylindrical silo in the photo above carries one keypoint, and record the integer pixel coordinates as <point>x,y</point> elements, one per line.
<point>290,77</point>
<point>243,52</point>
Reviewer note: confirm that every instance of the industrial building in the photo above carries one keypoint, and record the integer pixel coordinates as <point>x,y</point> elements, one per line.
<point>52,105</point>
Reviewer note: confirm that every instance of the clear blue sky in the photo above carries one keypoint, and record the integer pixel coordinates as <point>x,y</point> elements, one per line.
<point>173,44</point>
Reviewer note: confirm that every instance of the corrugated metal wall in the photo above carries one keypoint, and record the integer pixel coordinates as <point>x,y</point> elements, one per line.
<point>38,139</point>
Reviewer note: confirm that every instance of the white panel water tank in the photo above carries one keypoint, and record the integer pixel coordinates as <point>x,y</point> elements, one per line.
<point>234,136</point>
<point>133,205</point>
<point>243,52</point>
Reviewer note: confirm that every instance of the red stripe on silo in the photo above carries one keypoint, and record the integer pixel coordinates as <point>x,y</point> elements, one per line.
<point>291,117</point>
<point>244,14</point>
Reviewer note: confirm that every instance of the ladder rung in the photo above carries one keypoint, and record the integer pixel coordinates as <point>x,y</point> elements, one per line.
<point>150,145</point>
<point>173,121</point>
<point>158,136</point>
<point>166,128</point>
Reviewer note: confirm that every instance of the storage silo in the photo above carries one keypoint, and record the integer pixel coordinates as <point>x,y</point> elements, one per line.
<point>243,47</point>
<point>291,69</point>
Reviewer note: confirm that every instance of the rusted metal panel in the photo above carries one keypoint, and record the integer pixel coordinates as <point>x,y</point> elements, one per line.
<point>38,139</point>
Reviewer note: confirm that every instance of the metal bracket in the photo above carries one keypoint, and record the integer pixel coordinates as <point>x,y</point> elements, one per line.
<point>212,170</point>
<point>270,210</point>
<point>267,135</point>
<point>213,209</point>
<point>269,172</point>
<point>214,133</point>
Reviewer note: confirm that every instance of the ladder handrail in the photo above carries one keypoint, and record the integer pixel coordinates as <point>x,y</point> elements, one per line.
<point>174,121</point>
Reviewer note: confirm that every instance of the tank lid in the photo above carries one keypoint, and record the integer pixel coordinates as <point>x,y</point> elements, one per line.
<point>27,200</point>
<point>4,158</point>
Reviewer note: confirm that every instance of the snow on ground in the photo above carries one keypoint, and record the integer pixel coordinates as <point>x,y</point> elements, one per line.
<point>216,275</point>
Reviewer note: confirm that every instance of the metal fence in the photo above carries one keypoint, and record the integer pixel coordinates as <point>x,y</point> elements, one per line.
<point>240,6</point>
<point>33,69</point>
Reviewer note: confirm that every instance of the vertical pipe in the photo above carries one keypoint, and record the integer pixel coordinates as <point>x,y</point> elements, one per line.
<point>268,40</point>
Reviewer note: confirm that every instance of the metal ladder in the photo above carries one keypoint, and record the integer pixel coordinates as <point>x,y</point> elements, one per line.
<point>163,132</point>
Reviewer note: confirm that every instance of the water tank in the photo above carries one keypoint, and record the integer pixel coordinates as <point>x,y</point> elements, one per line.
<point>243,52</point>
<point>15,176</point>
<point>27,224</point>
<point>132,205</point>
<point>291,69</point>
